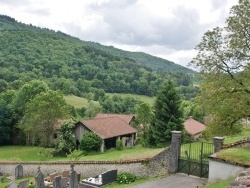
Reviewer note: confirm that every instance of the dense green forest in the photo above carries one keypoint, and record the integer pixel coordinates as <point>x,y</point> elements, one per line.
<point>78,67</point>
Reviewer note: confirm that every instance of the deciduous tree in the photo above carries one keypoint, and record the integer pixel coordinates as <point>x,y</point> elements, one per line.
<point>223,60</point>
<point>41,114</point>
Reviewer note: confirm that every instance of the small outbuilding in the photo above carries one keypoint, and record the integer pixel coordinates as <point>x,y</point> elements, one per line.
<point>194,128</point>
<point>110,128</point>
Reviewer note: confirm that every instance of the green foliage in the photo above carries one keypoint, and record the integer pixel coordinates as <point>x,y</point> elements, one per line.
<point>213,129</point>
<point>41,114</point>
<point>74,66</point>
<point>44,154</point>
<point>118,104</point>
<point>31,186</point>
<point>190,108</point>
<point>66,137</point>
<point>8,117</point>
<point>223,61</point>
<point>75,155</point>
<point>119,144</point>
<point>167,117</point>
<point>93,108</point>
<point>125,178</point>
<point>4,179</point>
<point>90,142</point>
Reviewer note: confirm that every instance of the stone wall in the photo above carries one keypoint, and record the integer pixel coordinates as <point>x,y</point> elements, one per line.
<point>144,167</point>
<point>159,165</point>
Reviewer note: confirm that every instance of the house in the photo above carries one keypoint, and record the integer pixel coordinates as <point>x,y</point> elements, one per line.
<point>109,127</point>
<point>194,128</point>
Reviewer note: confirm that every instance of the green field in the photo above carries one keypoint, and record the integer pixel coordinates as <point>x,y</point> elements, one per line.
<point>143,98</point>
<point>79,102</point>
<point>29,153</point>
<point>75,101</point>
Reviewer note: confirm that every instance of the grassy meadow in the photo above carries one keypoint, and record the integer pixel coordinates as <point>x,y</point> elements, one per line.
<point>143,98</point>
<point>79,102</point>
<point>29,153</point>
<point>75,101</point>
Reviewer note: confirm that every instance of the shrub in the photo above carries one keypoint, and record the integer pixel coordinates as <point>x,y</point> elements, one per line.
<point>125,178</point>
<point>44,154</point>
<point>75,155</point>
<point>4,179</point>
<point>90,142</point>
<point>31,186</point>
<point>119,144</point>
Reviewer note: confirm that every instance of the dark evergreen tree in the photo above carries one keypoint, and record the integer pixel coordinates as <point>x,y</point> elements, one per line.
<point>167,116</point>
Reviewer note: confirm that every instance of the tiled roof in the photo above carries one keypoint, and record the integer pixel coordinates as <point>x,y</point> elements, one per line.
<point>125,117</point>
<point>109,127</point>
<point>193,127</point>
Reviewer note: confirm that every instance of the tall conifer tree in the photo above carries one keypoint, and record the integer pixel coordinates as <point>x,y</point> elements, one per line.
<point>167,116</point>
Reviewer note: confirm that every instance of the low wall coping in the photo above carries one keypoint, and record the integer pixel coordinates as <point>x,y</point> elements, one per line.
<point>144,160</point>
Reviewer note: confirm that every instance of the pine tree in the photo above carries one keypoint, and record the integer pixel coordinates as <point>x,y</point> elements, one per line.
<point>167,116</point>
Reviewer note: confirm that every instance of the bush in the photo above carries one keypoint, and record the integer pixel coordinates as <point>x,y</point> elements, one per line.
<point>125,178</point>
<point>44,154</point>
<point>31,186</point>
<point>4,179</point>
<point>75,155</point>
<point>90,142</point>
<point>119,144</point>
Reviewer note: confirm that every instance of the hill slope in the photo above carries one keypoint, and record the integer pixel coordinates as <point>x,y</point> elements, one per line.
<point>153,62</point>
<point>74,66</point>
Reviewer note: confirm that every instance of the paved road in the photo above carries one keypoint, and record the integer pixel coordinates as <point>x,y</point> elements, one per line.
<point>175,181</point>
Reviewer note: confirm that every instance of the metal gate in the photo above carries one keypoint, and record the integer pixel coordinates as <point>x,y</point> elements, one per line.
<point>194,158</point>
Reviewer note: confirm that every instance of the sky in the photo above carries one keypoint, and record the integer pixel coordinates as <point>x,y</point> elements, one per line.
<point>169,29</point>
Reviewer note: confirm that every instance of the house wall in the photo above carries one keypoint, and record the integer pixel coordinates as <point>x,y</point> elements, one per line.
<point>78,131</point>
<point>219,170</point>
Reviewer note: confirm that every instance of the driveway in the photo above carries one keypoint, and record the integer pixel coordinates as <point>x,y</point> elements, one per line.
<point>175,181</point>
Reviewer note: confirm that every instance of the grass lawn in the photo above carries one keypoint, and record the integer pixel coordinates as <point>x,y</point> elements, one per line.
<point>28,153</point>
<point>245,134</point>
<point>239,155</point>
<point>22,153</point>
<point>136,152</point>
<point>30,178</point>
<point>220,183</point>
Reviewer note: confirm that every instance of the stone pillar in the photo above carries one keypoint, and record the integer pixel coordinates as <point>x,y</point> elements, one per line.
<point>175,149</point>
<point>102,146</point>
<point>218,143</point>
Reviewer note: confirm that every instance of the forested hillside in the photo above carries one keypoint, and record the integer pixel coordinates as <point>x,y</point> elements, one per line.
<point>155,63</point>
<point>74,66</point>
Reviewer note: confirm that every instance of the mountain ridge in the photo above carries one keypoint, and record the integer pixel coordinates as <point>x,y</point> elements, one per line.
<point>74,66</point>
<point>142,58</point>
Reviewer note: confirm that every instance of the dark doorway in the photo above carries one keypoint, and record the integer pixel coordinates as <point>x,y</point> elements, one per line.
<point>110,143</point>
